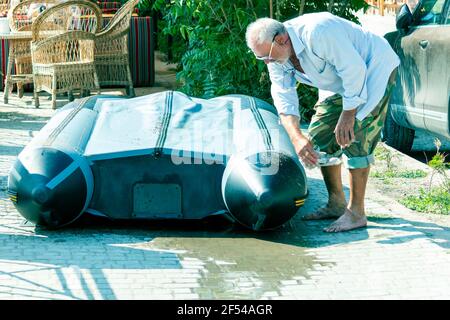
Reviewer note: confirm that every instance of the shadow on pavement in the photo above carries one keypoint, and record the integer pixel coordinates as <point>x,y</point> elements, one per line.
<point>10,150</point>
<point>437,234</point>
<point>68,252</point>
<point>21,121</point>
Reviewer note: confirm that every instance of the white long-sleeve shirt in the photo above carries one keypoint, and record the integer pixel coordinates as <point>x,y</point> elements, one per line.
<point>336,55</point>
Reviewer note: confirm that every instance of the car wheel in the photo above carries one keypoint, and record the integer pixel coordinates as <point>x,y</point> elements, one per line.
<point>396,136</point>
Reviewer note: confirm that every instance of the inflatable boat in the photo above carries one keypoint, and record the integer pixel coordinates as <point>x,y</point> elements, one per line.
<point>160,156</point>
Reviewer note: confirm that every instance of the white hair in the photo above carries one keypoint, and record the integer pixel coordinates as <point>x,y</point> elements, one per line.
<point>263,30</point>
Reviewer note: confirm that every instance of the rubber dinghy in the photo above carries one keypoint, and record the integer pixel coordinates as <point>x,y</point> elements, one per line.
<point>160,156</point>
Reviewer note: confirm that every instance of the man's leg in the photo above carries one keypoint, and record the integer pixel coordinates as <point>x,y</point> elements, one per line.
<point>321,133</point>
<point>360,156</point>
<point>354,216</point>
<point>336,198</point>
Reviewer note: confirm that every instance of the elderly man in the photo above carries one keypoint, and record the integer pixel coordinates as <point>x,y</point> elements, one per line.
<point>333,54</point>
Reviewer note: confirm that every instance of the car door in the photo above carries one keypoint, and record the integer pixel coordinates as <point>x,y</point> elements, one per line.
<point>436,104</point>
<point>408,97</point>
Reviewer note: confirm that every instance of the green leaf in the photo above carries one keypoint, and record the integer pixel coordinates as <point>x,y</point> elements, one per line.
<point>209,44</point>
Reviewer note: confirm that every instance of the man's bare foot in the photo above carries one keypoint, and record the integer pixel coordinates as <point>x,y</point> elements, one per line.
<point>330,211</point>
<point>348,221</point>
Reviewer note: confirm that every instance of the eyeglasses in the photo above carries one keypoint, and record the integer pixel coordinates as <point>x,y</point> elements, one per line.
<point>269,57</point>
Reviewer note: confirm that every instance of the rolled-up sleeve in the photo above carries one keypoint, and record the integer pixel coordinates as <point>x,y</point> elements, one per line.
<point>283,90</point>
<point>335,47</point>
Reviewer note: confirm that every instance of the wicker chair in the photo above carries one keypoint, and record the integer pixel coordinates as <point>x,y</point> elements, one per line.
<point>111,50</point>
<point>65,62</point>
<point>20,19</point>
<point>4,6</point>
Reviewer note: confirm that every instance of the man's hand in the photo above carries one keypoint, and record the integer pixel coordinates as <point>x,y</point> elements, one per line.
<point>344,128</point>
<point>303,147</point>
<point>305,151</point>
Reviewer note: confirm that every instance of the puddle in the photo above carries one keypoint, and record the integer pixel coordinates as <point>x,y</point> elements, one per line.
<point>238,265</point>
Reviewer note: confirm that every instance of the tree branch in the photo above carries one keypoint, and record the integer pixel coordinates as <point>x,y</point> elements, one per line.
<point>302,7</point>
<point>330,5</point>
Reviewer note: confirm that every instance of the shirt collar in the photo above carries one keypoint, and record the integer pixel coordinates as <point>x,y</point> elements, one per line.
<point>295,40</point>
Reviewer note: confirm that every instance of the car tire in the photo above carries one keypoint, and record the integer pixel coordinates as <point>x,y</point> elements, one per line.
<point>396,136</point>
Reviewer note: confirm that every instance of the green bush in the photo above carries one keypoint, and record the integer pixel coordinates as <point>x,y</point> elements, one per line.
<point>440,167</point>
<point>209,42</point>
<point>409,174</point>
<point>435,200</point>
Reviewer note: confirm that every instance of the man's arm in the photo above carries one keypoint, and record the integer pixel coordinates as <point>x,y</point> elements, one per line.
<point>285,98</point>
<point>303,147</point>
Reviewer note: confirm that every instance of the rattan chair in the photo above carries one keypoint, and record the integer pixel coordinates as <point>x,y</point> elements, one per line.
<point>4,6</point>
<point>65,62</point>
<point>21,17</point>
<point>111,50</point>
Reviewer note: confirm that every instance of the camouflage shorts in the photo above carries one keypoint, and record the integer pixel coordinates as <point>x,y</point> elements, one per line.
<point>367,131</point>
